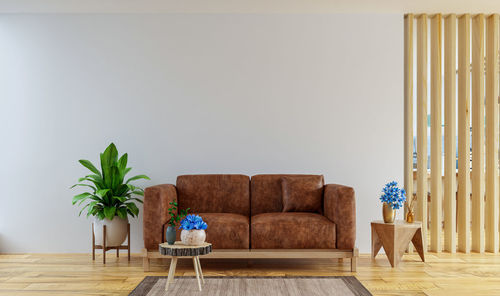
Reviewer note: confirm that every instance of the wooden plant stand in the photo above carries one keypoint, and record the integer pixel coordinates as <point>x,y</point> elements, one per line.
<point>106,248</point>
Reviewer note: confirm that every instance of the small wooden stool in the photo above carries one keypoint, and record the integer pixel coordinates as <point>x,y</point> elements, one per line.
<point>395,238</point>
<point>106,248</point>
<point>180,250</point>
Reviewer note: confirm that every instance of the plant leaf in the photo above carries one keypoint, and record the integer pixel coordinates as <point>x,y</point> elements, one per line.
<point>137,192</point>
<point>122,162</point>
<point>79,214</point>
<point>133,198</point>
<point>122,213</point>
<point>100,215</point>
<point>137,178</point>
<point>90,166</point>
<point>97,180</point>
<point>85,179</point>
<point>132,207</point>
<point>82,201</point>
<point>102,192</point>
<point>115,177</point>
<point>91,208</point>
<point>94,177</point>
<point>81,196</point>
<point>120,198</point>
<point>130,213</point>
<point>126,171</point>
<point>83,185</point>
<point>109,212</point>
<point>121,190</point>
<point>109,158</point>
<point>97,198</point>
<point>122,166</point>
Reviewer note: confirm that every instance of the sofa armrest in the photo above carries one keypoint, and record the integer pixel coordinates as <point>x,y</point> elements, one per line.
<point>156,205</point>
<point>340,207</point>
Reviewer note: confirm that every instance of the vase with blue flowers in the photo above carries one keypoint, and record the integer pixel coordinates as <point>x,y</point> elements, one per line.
<point>392,198</point>
<point>175,217</point>
<point>193,230</point>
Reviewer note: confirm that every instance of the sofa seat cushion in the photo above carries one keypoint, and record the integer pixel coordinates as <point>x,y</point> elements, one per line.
<point>227,231</point>
<point>292,230</point>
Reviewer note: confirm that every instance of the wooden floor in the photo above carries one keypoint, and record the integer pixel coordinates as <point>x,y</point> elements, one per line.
<point>77,274</point>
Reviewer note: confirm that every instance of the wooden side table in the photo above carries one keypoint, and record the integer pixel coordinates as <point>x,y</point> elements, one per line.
<point>180,250</point>
<point>395,238</point>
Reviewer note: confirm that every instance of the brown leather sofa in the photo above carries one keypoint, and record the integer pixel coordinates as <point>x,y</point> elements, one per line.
<point>245,216</point>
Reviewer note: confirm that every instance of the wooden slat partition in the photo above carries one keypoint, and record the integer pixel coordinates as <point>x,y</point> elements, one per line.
<point>463,214</point>
<point>408,106</point>
<point>421,207</point>
<point>436,149</point>
<point>450,62</point>
<point>468,200</point>
<point>491,107</point>
<point>477,133</point>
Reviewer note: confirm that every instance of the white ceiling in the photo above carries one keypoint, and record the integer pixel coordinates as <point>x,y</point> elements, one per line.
<point>247,6</point>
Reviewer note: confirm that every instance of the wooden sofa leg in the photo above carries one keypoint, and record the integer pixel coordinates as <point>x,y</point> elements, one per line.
<point>145,260</point>
<point>354,259</point>
<point>354,264</point>
<point>145,263</point>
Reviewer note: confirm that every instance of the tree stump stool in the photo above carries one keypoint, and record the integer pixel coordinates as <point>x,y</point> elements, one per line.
<point>180,250</point>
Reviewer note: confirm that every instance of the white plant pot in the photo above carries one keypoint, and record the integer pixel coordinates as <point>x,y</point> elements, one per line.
<point>193,237</point>
<point>116,231</point>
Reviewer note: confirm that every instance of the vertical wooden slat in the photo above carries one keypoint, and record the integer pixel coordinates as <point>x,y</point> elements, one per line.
<point>436,149</point>
<point>450,61</point>
<point>477,133</point>
<point>463,96</point>
<point>421,211</point>
<point>491,106</point>
<point>408,111</point>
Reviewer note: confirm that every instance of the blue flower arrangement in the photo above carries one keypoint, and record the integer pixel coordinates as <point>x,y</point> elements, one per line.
<point>193,222</point>
<point>393,195</point>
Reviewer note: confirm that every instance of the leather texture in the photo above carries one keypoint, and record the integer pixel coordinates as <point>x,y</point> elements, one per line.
<point>267,194</point>
<point>302,194</point>
<point>155,213</point>
<point>340,207</point>
<point>292,231</point>
<point>227,231</point>
<point>214,193</point>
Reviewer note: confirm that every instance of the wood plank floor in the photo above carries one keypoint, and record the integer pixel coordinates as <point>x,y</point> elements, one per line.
<point>77,274</point>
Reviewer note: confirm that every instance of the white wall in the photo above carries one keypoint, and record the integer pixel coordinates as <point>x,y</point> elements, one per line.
<point>192,94</point>
<point>254,6</point>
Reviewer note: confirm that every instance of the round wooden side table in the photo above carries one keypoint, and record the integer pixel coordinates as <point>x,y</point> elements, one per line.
<point>181,250</point>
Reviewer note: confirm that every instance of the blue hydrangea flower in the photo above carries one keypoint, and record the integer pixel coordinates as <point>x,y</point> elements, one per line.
<point>393,196</point>
<point>193,222</point>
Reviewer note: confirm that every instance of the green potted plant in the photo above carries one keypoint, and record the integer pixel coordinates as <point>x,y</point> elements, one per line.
<point>109,197</point>
<point>174,219</point>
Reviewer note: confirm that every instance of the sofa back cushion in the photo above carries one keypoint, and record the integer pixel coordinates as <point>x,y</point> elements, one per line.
<point>214,193</point>
<point>302,194</point>
<point>266,190</point>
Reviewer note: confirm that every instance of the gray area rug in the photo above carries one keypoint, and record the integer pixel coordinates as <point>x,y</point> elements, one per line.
<point>253,286</point>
